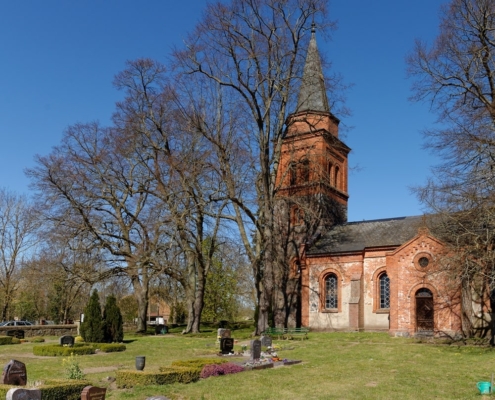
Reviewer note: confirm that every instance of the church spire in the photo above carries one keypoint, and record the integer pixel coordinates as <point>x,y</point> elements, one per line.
<point>312,94</point>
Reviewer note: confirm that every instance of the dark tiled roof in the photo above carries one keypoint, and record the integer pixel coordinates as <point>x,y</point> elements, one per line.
<point>355,236</point>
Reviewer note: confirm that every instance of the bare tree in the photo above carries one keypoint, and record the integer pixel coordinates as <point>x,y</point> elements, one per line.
<point>178,158</point>
<point>18,225</point>
<point>252,51</point>
<point>456,74</point>
<point>93,187</point>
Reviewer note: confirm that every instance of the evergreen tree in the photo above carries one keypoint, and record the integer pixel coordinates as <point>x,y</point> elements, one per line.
<point>92,327</point>
<point>112,320</point>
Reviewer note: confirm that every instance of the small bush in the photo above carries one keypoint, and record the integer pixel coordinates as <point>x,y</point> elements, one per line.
<point>37,339</point>
<point>71,368</point>
<point>5,340</point>
<point>167,375</point>
<point>222,369</point>
<point>15,340</point>
<point>78,339</point>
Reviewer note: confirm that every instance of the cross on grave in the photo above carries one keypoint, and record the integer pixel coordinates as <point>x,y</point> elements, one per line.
<point>93,393</point>
<point>14,373</point>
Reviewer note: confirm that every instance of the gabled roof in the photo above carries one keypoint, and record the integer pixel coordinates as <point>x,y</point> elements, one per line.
<point>312,94</point>
<point>356,236</point>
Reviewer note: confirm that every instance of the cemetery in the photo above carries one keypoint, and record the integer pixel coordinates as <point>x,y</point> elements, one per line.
<point>230,364</point>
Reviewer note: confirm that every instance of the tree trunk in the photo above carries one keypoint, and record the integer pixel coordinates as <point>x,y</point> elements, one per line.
<point>141,295</point>
<point>466,308</point>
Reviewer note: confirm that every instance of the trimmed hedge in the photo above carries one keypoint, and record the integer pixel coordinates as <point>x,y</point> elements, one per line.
<point>54,350</point>
<point>167,375</point>
<point>62,390</point>
<point>54,389</point>
<point>5,340</point>
<point>198,363</point>
<point>109,347</point>
<point>79,349</point>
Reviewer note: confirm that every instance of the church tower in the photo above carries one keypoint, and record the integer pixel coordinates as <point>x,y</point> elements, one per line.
<point>311,184</point>
<point>314,161</point>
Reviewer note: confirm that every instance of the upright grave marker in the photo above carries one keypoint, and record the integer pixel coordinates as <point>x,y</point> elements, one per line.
<point>93,393</point>
<point>14,373</point>
<point>255,349</point>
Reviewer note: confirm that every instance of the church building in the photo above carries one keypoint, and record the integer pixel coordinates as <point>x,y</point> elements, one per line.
<point>379,275</point>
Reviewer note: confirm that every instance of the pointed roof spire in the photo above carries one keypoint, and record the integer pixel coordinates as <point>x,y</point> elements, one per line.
<point>312,94</point>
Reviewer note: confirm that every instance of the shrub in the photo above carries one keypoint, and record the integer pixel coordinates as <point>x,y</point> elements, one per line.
<point>16,340</point>
<point>71,368</point>
<point>222,369</point>
<point>62,389</point>
<point>92,326</point>
<point>78,339</point>
<point>37,339</point>
<point>112,321</point>
<point>5,340</point>
<point>167,375</point>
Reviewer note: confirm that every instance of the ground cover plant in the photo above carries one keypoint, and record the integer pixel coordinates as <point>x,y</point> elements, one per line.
<point>335,366</point>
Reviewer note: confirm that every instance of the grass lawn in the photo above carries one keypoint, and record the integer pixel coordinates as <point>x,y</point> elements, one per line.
<point>335,366</point>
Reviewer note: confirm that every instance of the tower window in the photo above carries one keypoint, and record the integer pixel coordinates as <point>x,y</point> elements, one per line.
<point>304,171</point>
<point>292,174</point>
<point>336,180</point>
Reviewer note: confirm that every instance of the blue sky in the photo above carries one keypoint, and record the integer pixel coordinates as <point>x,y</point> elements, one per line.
<point>58,59</point>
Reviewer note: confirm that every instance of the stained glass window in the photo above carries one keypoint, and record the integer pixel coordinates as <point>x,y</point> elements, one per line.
<point>384,291</point>
<point>331,290</point>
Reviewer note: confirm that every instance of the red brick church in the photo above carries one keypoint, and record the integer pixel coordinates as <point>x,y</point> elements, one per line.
<point>370,275</point>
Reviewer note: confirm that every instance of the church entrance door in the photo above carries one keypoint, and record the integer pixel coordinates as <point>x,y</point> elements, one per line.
<point>424,311</point>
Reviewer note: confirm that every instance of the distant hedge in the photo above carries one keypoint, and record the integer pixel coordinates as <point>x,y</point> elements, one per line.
<point>53,350</point>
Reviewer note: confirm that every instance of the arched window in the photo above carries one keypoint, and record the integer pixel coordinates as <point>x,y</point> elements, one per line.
<point>330,171</point>
<point>336,180</point>
<point>384,282</point>
<point>292,174</point>
<point>331,292</point>
<point>303,171</point>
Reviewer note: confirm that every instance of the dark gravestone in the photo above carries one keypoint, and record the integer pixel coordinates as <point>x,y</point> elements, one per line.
<point>17,333</point>
<point>266,341</point>
<point>93,393</point>
<point>14,373</point>
<point>23,394</point>
<point>67,341</point>
<point>255,349</point>
<point>161,329</point>
<point>226,345</point>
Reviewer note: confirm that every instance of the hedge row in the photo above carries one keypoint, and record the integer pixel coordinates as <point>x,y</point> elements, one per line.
<point>55,389</point>
<point>198,363</point>
<point>167,375</point>
<point>80,349</point>
<point>5,340</point>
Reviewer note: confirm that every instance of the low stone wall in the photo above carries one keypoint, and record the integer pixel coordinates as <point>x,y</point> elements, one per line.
<point>42,330</point>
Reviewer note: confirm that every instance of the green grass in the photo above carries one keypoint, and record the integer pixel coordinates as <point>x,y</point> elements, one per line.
<point>335,366</point>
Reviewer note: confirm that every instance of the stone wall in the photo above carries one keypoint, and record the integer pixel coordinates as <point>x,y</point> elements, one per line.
<point>42,330</point>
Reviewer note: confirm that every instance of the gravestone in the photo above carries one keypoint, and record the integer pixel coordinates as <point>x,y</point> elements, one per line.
<point>67,341</point>
<point>14,373</point>
<point>93,393</point>
<point>266,341</point>
<point>23,394</point>
<point>161,329</point>
<point>255,349</point>
<point>17,333</point>
<point>226,345</point>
